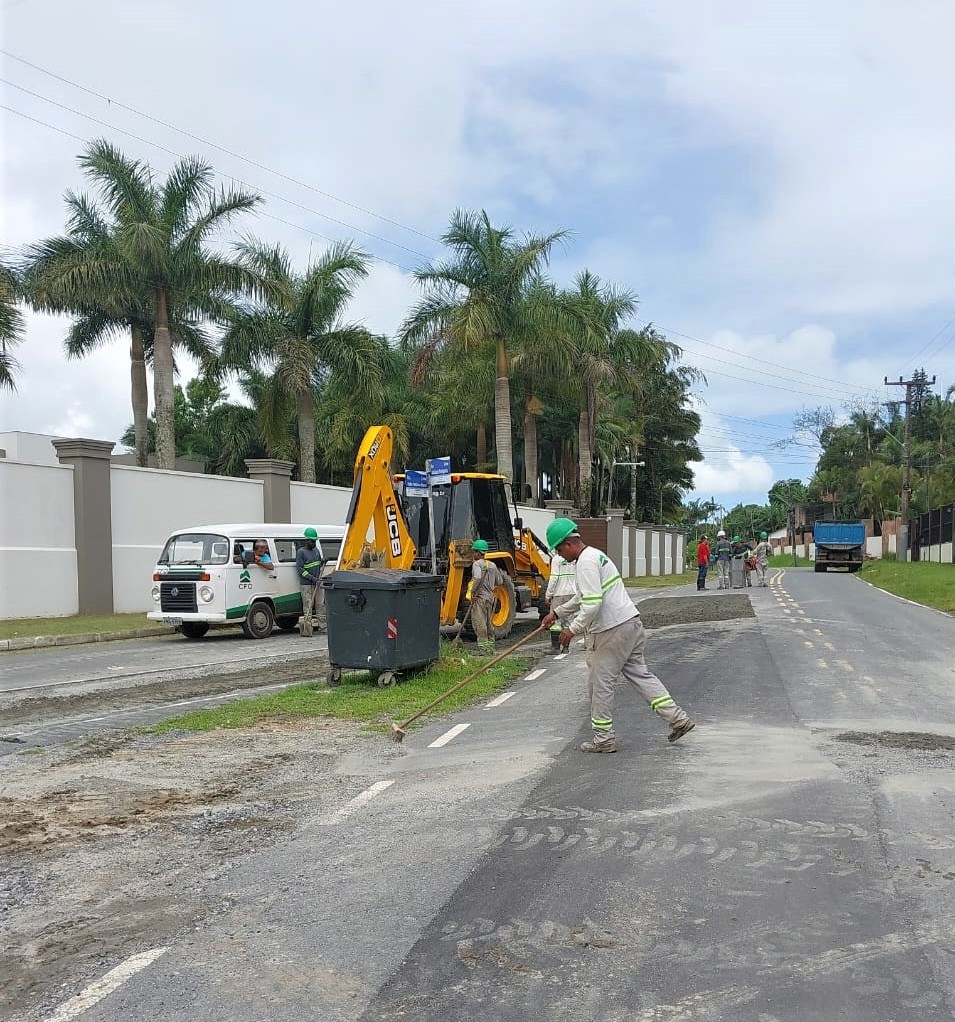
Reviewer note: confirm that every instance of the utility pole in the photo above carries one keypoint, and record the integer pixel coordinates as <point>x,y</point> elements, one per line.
<point>902,541</point>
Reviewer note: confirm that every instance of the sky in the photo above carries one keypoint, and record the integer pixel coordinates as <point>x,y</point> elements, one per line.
<point>776,182</point>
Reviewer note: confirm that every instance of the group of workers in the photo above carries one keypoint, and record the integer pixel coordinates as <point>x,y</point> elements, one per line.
<point>747,559</point>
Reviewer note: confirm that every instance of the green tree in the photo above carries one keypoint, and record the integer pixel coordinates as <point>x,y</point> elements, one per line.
<point>11,326</point>
<point>156,263</point>
<point>478,299</point>
<point>297,334</point>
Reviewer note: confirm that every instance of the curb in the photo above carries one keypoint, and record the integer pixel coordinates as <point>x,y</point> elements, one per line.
<point>42,641</point>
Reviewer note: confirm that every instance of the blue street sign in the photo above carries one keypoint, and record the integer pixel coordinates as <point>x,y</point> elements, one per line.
<point>439,471</point>
<point>416,484</point>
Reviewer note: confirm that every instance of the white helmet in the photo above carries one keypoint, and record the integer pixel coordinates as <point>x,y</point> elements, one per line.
<point>721,534</point>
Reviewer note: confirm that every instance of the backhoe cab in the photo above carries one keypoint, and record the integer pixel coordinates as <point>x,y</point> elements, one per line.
<point>385,528</point>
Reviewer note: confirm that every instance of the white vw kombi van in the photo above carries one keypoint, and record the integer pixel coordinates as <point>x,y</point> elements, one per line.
<point>205,577</point>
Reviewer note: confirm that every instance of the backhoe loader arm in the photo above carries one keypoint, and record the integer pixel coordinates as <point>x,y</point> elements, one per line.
<point>375,529</point>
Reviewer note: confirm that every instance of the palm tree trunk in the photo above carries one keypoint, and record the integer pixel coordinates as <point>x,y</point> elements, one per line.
<point>306,436</point>
<point>530,449</point>
<point>502,415</point>
<point>163,385</point>
<point>140,395</point>
<point>481,445</point>
<point>585,460</point>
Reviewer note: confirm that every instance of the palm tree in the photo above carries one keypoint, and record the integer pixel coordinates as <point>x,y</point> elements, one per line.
<point>480,299</point>
<point>11,326</point>
<point>297,333</point>
<point>144,260</point>
<point>594,312</point>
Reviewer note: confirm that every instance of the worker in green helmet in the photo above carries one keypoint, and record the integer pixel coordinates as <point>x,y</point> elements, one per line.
<point>309,562</point>
<point>486,576</point>
<point>603,611</point>
<point>763,552</point>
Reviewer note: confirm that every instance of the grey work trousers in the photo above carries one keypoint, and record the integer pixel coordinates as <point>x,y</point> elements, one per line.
<point>556,603</point>
<point>619,652</point>
<point>761,567</point>
<point>482,611</point>
<point>313,606</point>
<point>723,567</point>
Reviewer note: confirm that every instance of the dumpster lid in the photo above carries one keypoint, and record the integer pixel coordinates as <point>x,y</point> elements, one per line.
<point>381,578</point>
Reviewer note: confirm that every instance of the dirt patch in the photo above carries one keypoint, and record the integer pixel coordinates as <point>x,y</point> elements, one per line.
<point>900,740</point>
<point>662,611</point>
<point>82,884</point>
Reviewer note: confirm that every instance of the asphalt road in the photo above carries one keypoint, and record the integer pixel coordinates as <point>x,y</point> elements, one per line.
<point>26,671</point>
<point>791,860</point>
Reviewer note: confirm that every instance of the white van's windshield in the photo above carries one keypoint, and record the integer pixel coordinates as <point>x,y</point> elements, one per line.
<point>196,548</point>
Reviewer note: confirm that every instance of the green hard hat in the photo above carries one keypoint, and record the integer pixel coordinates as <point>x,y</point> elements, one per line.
<point>763,535</point>
<point>480,544</point>
<point>558,530</point>
<point>736,539</point>
<point>310,533</point>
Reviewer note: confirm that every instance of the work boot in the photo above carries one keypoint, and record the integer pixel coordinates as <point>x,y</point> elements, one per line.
<point>609,746</point>
<point>554,642</point>
<point>676,733</point>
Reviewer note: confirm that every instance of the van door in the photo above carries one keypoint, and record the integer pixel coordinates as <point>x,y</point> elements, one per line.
<point>288,593</point>
<point>249,581</point>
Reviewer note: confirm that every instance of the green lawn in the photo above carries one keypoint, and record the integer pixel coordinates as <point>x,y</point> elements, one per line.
<point>922,581</point>
<point>786,561</point>
<point>24,628</point>
<point>658,581</point>
<point>359,698</point>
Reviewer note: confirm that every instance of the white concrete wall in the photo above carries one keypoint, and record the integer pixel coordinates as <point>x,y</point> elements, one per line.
<point>37,542</point>
<point>148,504</point>
<point>939,554</point>
<point>656,564</point>
<point>535,518</point>
<point>320,504</point>
<point>873,546</point>
<point>36,448</point>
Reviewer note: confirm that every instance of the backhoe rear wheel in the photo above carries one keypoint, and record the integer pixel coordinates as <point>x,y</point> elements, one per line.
<point>505,609</point>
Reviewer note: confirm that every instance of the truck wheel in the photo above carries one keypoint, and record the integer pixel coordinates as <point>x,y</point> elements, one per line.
<point>819,567</point>
<point>259,621</point>
<point>194,629</point>
<point>505,609</point>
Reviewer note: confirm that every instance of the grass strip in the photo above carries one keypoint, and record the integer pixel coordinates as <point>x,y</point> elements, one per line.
<point>921,581</point>
<point>358,698</point>
<point>78,624</point>
<point>660,581</point>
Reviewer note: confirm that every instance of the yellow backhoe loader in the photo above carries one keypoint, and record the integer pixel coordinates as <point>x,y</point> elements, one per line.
<point>384,528</point>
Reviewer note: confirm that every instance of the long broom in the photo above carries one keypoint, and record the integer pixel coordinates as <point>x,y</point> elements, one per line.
<point>398,731</point>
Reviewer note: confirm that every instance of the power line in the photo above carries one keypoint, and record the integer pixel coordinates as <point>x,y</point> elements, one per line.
<point>215,145</point>
<point>798,372</point>
<point>270,216</point>
<point>913,358</point>
<point>180,156</point>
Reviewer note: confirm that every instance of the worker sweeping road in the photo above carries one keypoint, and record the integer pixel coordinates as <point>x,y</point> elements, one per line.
<point>485,578</point>
<point>603,610</point>
<point>763,553</point>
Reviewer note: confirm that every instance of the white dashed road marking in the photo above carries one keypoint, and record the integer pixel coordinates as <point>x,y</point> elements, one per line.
<point>448,735</point>
<point>113,979</point>
<point>503,698</point>
<point>534,675</point>
<point>359,800</point>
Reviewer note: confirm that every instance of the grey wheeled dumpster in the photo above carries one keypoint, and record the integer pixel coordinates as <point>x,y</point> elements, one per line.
<point>382,619</point>
<point>738,572</point>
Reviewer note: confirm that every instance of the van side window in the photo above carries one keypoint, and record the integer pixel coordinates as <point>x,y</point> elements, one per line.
<point>285,549</point>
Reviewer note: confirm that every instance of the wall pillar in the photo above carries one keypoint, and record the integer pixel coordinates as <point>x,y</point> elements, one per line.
<point>277,479</point>
<point>561,508</point>
<point>92,515</point>
<point>615,535</point>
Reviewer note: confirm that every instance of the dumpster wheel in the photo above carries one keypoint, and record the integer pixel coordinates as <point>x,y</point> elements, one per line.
<point>386,679</point>
<point>334,677</point>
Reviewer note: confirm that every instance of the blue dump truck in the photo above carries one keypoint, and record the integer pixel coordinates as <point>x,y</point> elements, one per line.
<point>839,545</point>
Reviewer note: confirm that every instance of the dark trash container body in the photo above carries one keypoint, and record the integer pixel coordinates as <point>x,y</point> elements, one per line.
<point>381,619</point>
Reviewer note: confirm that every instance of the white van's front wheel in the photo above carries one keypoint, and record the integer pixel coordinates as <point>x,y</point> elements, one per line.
<point>259,622</point>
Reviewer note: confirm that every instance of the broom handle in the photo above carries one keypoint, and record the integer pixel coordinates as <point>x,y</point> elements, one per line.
<point>472,676</point>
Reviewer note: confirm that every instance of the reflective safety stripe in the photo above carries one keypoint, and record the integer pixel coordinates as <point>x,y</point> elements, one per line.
<point>612,581</point>
<point>598,598</point>
<point>655,704</point>
<point>602,722</point>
